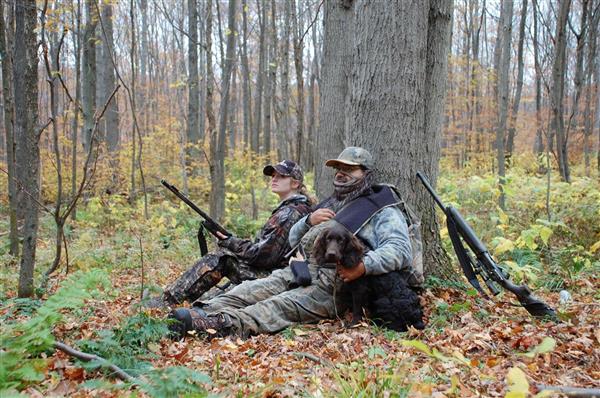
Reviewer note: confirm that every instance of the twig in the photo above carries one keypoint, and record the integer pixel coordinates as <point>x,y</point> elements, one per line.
<point>84,356</point>
<point>571,391</point>
<point>22,189</point>
<point>314,358</point>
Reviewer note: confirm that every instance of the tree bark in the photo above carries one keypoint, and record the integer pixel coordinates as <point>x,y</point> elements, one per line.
<point>335,78</point>
<point>76,110</point>
<point>217,199</point>
<point>258,95</point>
<point>286,146</point>
<point>7,40</point>
<point>299,67</point>
<point>502,99</point>
<point>558,88</point>
<point>193,131</point>
<point>538,146</point>
<point>512,128</point>
<point>246,94</point>
<point>270,80</point>
<point>88,87</point>
<point>392,93</point>
<point>588,119</point>
<point>111,116</point>
<point>26,128</point>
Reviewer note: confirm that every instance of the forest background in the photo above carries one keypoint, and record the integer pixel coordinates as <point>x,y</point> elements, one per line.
<point>102,99</point>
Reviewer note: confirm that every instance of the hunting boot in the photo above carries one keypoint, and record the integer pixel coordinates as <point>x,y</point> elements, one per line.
<point>194,321</point>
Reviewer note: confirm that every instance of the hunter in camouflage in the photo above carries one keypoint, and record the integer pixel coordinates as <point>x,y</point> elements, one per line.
<point>243,259</point>
<point>269,305</point>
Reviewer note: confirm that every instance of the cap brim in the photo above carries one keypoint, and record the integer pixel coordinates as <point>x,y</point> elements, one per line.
<point>269,170</point>
<point>337,162</point>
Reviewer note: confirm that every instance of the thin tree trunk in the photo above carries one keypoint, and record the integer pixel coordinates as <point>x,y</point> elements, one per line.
<point>210,115</point>
<point>111,119</point>
<point>26,118</point>
<point>270,76</point>
<point>76,110</point>
<point>504,63</point>
<point>193,132</point>
<point>588,118</point>
<point>285,82</point>
<point>538,147</point>
<point>6,40</point>
<point>217,199</point>
<point>557,91</point>
<point>512,128</point>
<point>88,87</point>
<point>298,50</point>
<point>258,95</point>
<point>247,106</point>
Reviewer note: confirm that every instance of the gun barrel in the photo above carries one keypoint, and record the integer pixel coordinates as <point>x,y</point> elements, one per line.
<point>429,188</point>
<point>211,225</point>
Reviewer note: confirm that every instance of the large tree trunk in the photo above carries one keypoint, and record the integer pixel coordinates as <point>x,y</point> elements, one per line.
<point>88,87</point>
<point>512,128</point>
<point>395,95</point>
<point>217,198</point>
<point>246,95</point>
<point>558,88</point>
<point>270,73</point>
<point>502,99</point>
<point>6,40</point>
<point>26,128</point>
<point>335,74</point>
<point>75,122</point>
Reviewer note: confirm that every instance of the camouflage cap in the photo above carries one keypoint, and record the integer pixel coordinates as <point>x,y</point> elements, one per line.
<point>352,156</point>
<point>286,168</point>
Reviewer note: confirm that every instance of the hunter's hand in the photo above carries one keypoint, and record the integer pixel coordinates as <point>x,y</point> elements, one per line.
<point>321,215</point>
<point>220,236</point>
<point>350,274</point>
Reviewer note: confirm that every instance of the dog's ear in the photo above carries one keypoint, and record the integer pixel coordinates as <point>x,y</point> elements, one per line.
<point>318,251</point>
<point>353,252</point>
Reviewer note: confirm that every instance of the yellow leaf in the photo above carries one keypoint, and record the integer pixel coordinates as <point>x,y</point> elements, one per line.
<point>505,245</point>
<point>545,234</point>
<point>547,345</point>
<point>419,345</point>
<point>518,386</point>
<point>595,247</point>
<point>502,216</point>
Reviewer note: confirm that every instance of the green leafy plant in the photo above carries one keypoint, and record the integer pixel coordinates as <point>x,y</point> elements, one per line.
<point>22,343</point>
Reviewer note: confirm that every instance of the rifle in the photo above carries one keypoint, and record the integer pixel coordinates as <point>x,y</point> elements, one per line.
<point>209,224</point>
<point>484,265</point>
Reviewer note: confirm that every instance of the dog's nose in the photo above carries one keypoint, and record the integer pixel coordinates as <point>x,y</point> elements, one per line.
<point>330,257</point>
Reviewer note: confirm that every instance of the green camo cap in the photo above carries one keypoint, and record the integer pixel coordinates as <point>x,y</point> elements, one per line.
<point>352,156</point>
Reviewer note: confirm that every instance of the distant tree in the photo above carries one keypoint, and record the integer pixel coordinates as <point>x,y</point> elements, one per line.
<point>557,124</point>
<point>88,85</point>
<point>6,40</point>
<point>193,132</point>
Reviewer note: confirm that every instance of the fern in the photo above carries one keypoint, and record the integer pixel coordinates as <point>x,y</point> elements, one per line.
<point>22,343</point>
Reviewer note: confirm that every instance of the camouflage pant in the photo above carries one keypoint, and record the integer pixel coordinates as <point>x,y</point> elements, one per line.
<point>268,305</point>
<point>207,273</point>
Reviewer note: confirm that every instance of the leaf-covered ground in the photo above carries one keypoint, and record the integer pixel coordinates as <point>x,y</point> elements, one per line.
<point>467,349</point>
<point>470,347</point>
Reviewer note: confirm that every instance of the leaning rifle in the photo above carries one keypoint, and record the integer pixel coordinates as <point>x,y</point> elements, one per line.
<point>209,224</point>
<point>483,265</point>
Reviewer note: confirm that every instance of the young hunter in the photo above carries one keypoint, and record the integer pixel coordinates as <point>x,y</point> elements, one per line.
<point>271,304</point>
<point>243,259</point>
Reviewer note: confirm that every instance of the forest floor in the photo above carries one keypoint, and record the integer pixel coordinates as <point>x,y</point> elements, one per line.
<point>470,347</point>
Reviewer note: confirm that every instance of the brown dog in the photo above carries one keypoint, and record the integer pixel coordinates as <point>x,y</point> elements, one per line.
<point>387,297</point>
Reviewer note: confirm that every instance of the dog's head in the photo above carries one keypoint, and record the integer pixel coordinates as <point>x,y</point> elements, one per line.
<point>336,245</point>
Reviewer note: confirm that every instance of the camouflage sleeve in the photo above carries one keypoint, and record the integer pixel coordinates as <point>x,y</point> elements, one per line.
<point>387,233</point>
<point>272,244</point>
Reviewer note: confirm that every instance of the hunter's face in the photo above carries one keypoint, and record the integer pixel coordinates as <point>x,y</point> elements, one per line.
<point>344,174</point>
<point>283,185</point>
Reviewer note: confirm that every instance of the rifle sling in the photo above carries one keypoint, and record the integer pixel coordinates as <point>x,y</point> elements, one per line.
<point>461,253</point>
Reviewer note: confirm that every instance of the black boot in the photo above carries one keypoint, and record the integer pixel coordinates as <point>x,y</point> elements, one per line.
<point>194,321</point>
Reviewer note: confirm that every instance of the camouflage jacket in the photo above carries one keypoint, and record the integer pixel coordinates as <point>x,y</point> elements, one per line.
<point>271,244</point>
<point>385,234</point>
